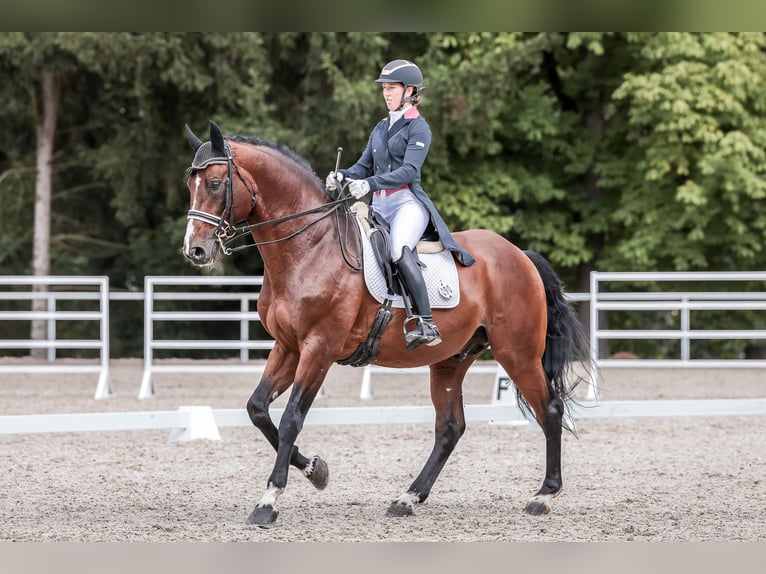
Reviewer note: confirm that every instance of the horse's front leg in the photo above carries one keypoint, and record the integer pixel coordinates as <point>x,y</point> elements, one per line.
<point>277,377</point>
<point>309,377</point>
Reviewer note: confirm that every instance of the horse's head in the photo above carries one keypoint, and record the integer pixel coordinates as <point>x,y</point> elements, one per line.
<point>218,199</point>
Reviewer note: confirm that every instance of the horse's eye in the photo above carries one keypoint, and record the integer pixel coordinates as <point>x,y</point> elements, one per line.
<point>214,185</point>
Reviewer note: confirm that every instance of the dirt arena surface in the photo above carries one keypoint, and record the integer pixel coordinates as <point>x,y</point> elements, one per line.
<point>682,479</point>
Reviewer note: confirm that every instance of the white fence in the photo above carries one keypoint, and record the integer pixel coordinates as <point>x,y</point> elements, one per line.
<point>187,419</point>
<point>52,315</point>
<point>154,293</point>
<point>161,288</point>
<point>681,303</point>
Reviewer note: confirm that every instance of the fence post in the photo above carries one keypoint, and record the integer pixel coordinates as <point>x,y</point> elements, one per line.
<point>365,392</point>
<point>104,387</point>
<point>593,392</point>
<point>244,328</point>
<point>147,387</point>
<point>685,326</point>
<point>51,326</point>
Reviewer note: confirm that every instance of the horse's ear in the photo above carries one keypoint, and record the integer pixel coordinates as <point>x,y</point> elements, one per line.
<point>216,140</point>
<point>194,141</point>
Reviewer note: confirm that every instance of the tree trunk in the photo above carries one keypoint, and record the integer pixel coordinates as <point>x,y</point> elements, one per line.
<point>595,124</point>
<point>46,130</point>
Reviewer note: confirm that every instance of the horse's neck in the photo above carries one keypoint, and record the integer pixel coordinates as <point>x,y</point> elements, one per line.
<point>305,258</point>
<point>284,189</point>
<point>289,251</point>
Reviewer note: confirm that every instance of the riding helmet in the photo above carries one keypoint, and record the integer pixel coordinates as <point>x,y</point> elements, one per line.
<point>403,72</point>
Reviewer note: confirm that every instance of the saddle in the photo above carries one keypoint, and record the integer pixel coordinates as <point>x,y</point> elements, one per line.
<point>378,231</point>
<point>439,269</point>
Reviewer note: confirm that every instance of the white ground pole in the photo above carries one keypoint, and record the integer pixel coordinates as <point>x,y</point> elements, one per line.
<point>203,422</point>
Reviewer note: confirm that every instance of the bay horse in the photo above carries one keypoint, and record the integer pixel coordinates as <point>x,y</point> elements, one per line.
<point>315,305</point>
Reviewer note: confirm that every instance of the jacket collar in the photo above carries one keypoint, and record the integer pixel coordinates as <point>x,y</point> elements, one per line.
<point>410,114</point>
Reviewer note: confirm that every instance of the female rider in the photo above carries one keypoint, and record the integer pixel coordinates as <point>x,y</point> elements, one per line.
<point>390,168</point>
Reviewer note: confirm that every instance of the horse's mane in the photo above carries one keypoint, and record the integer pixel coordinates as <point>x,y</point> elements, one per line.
<point>281,148</point>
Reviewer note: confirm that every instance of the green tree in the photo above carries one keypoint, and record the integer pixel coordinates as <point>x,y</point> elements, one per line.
<point>691,184</point>
<point>610,151</point>
<point>118,204</point>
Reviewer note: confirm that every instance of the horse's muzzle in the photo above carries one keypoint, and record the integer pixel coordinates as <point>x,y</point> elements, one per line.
<point>200,255</point>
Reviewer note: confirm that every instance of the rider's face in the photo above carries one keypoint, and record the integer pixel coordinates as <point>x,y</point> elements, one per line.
<point>392,94</point>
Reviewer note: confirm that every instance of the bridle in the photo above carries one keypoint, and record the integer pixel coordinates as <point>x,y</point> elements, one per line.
<point>227,233</point>
<point>223,228</point>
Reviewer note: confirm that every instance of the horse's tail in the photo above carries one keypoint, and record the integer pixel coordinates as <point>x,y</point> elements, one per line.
<point>565,339</point>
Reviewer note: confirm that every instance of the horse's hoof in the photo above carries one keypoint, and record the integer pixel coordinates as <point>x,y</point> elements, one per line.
<point>318,473</point>
<point>263,515</point>
<point>538,506</point>
<point>398,508</point>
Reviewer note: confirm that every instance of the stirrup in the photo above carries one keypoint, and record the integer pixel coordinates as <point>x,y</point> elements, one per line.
<point>425,333</point>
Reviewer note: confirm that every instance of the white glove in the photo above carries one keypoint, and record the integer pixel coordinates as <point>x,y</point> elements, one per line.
<point>358,188</point>
<point>332,181</point>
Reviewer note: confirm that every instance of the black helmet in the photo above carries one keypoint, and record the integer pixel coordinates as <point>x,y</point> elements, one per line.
<point>403,72</point>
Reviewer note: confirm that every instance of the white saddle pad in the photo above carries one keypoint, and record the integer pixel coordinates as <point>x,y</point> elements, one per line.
<point>440,274</point>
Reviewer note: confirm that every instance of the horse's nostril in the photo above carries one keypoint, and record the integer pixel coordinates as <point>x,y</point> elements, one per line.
<point>197,254</point>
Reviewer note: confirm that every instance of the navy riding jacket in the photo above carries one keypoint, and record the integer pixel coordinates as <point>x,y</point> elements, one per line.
<point>393,158</point>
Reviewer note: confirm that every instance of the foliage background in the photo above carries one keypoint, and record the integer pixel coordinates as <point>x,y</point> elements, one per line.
<point>608,151</point>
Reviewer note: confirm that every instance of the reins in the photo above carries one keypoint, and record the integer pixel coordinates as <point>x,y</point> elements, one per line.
<point>226,233</point>
<point>243,230</point>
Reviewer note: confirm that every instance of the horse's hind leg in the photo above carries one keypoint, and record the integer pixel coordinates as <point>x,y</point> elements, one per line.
<point>548,410</point>
<point>273,383</point>
<point>447,397</point>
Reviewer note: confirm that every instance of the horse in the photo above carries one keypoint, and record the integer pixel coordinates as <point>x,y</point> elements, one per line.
<point>315,305</point>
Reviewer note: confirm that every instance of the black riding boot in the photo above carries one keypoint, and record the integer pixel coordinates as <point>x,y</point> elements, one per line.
<point>425,331</point>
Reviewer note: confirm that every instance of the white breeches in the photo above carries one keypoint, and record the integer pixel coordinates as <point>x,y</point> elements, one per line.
<point>407,217</point>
